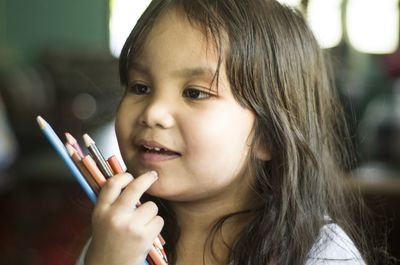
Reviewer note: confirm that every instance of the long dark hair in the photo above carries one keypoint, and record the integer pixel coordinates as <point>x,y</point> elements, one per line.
<point>275,68</point>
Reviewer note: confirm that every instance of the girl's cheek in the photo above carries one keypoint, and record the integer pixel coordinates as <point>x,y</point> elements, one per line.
<point>123,117</point>
<point>121,128</point>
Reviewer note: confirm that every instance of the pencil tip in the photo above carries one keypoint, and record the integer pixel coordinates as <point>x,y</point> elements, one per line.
<point>88,141</point>
<point>41,122</point>
<point>70,149</point>
<point>70,138</point>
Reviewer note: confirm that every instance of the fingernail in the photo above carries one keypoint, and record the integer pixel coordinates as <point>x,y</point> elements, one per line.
<point>154,173</point>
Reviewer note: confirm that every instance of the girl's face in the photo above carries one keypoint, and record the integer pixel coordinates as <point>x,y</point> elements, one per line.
<point>175,120</point>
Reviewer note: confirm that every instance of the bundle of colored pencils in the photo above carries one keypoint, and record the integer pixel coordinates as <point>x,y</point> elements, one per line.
<point>92,171</point>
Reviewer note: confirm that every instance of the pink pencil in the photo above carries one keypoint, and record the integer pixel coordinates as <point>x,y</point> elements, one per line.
<point>74,143</point>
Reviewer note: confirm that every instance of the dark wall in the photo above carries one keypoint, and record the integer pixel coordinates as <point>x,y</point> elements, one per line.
<point>28,26</point>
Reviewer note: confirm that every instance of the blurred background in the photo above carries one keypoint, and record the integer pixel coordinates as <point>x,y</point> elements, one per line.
<point>59,59</point>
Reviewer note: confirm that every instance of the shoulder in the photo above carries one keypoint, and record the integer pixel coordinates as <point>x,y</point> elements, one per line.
<point>334,246</point>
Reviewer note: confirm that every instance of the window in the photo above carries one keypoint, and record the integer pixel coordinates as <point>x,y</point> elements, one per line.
<point>123,17</point>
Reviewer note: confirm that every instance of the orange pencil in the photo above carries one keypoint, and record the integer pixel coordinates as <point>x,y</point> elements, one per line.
<point>86,174</point>
<point>116,168</point>
<point>94,170</point>
<point>156,257</point>
<point>115,165</point>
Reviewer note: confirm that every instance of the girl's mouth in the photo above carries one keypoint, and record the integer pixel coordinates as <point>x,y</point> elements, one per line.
<point>152,153</point>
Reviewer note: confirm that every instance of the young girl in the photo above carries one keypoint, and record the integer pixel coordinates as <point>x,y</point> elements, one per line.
<point>230,126</point>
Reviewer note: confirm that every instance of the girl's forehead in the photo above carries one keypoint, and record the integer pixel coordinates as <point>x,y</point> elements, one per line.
<point>173,19</point>
<point>174,29</point>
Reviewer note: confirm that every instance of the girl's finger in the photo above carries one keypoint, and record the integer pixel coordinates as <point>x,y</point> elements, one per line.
<point>113,187</point>
<point>134,190</point>
<point>154,227</point>
<point>145,212</point>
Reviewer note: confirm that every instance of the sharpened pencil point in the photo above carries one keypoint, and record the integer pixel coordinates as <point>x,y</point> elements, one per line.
<point>42,123</point>
<point>88,141</point>
<point>70,138</point>
<point>70,149</point>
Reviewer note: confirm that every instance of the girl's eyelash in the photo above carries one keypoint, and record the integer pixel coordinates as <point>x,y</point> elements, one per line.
<point>191,93</point>
<point>139,89</point>
<point>194,93</point>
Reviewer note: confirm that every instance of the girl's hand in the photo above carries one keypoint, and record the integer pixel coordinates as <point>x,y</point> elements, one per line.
<point>122,234</point>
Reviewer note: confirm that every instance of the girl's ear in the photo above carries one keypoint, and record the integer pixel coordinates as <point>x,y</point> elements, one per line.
<point>262,152</point>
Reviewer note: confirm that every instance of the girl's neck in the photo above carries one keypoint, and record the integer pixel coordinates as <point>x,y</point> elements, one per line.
<point>197,218</point>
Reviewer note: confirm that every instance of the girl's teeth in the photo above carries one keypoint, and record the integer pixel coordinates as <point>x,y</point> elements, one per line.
<point>157,149</point>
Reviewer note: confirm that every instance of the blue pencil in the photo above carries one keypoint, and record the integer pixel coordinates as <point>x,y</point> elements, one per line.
<point>62,152</point>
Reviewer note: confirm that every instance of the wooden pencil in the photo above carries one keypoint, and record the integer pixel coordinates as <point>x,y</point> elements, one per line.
<point>97,156</point>
<point>156,256</point>
<point>85,172</point>
<point>115,165</point>
<point>94,170</point>
<point>74,143</point>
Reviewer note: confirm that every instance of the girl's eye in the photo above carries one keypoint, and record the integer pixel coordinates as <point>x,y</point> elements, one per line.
<point>193,93</point>
<point>139,89</point>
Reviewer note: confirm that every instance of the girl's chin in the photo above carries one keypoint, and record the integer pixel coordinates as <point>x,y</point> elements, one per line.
<point>160,191</point>
<point>165,193</point>
<point>176,196</point>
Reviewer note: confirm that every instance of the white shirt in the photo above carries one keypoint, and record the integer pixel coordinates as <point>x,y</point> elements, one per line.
<point>333,247</point>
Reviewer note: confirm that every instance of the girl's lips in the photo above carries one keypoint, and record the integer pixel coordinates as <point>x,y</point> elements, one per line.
<point>152,145</point>
<point>148,158</point>
<point>151,152</point>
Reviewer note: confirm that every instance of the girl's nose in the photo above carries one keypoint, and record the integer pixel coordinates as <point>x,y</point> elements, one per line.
<point>158,113</point>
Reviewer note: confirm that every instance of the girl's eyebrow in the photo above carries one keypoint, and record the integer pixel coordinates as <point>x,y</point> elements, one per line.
<point>195,71</point>
<point>183,73</point>
<point>134,66</point>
